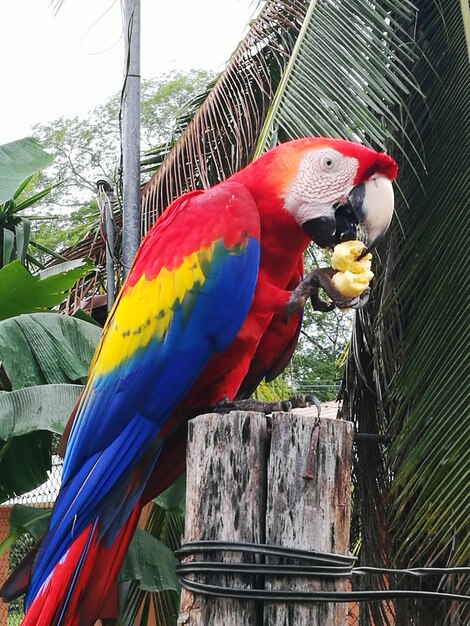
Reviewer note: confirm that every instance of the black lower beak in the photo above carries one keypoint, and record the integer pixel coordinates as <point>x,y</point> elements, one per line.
<point>326,232</point>
<point>346,224</point>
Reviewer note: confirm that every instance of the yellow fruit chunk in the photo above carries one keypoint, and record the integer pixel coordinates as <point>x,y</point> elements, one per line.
<point>353,275</point>
<point>345,257</point>
<point>350,284</point>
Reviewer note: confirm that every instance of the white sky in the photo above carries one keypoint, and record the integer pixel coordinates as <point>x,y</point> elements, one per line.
<point>65,64</point>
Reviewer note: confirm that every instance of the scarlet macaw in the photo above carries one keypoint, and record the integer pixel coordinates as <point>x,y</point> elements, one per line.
<point>200,318</point>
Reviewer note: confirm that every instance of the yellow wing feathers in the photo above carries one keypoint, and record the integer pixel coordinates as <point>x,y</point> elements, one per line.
<point>145,309</point>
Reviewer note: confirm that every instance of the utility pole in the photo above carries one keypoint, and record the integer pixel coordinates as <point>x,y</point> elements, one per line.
<point>131,135</point>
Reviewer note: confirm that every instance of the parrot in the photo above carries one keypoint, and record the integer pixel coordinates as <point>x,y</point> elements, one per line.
<point>211,305</point>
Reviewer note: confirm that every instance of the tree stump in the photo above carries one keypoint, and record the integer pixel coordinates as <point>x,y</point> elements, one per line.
<point>290,488</point>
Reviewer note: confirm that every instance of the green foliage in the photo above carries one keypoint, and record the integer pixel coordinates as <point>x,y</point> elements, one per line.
<point>431,455</point>
<point>41,354</point>
<point>353,90</point>
<point>173,498</point>
<point>25,519</point>
<point>42,407</point>
<point>163,99</point>
<point>88,147</point>
<point>151,563</point>
<point>19,161</point>
<point>28,417</point>
<point>277,389</point>
<point>23,292</point>
<point>408,374</point>
<point>64,230</point>
<point>318,361</point>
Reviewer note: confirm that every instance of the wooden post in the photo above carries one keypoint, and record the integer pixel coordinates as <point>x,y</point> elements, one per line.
<point>309,499</point>
<point>225,493</point>
<point>297,497</point>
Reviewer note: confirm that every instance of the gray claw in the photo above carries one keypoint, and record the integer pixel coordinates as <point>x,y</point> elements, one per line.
<point>362,300</point>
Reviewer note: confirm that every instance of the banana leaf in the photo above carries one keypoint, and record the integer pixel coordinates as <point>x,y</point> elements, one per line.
<point>28,417</point>
<point>18,160</point>
<point>43,348</point>
<point>23,292</point>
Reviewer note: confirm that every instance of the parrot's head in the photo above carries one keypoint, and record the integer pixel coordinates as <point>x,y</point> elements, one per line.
<point>331,186</point>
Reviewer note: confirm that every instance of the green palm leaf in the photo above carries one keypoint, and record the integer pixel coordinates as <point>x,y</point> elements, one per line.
<point>347,75</point>
<point>432,388</point>
<point>410,364</point>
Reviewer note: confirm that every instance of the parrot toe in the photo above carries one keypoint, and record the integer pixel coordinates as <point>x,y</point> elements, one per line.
<point>321,278</point>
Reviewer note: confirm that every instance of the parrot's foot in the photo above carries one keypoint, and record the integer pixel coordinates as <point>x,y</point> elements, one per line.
<point>260,406</point>
<point>321,278</point>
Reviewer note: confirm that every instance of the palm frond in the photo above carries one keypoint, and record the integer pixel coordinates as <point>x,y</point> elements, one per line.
<point>221,136</point>
<point>409,368</point>
<point>347,75</point>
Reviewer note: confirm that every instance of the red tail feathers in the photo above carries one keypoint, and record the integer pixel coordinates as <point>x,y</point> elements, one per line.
<point>79,586</point>
<point>80,583</point>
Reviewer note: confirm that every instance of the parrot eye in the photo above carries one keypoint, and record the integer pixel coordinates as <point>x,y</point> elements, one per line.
<point>328,163</point>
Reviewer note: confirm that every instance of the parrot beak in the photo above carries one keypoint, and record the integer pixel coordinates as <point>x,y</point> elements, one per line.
<point>369,204</point>
<point>372,204</point>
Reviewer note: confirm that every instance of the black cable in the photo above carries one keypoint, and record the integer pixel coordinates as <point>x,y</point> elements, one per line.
<point>217,567</point>
<point>274,595</point>
<point>220,567</point>
<point>318,565</point>
<point>412,571</point>
<point>263,549</point>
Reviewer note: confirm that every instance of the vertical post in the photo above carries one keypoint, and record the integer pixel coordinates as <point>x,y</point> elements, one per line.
<point>297,497</point>
<point>109,227</point>
<point>131,135</point>
<point>106,202</point>
<point>309,502</point>
<point>225,492</point>
<point>4,558</point>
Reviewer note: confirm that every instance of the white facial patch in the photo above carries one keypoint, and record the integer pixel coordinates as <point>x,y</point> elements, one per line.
<point>324,178</point>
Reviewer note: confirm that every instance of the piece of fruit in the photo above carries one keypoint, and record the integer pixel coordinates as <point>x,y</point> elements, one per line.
<point>350,284</point>
<point>345,257</point>
<point>353,275</point>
